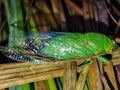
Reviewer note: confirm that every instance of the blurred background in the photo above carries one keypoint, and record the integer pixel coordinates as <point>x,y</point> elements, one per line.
<point>20,16</point>
<point>82,16</point>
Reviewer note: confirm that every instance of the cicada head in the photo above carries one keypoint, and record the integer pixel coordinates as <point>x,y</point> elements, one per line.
<point>111,47</point>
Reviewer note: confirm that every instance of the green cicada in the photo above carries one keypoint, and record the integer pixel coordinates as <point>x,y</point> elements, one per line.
<point>64,46</point>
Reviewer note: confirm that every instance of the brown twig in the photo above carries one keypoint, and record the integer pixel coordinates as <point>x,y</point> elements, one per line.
<point>26,72</point>
<point>109,13</point>
<point>40,20</point>
<point>116,11</point>
<point>118,27</point>
<point>28,7</point>
<point>75,7</point>
<point>116,57</point>
<point>41,85</point>
<point>93,75</point>
<point>103,77</point>
<point>70,76</point>
<point>117,68</point>
<point>99,82</point>
<point>111,76</point>
<point>82,78</point>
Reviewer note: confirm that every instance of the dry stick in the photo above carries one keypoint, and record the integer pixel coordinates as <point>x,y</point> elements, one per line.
<point>86,12</point>
<point>117,28</point>
<point>31,78</point>
<point>75,7</point>
<point>86,15</point>
<point>4,89</point>
<point>112,17</point>
<point>12,69</point>
<point>107,87</point>
<point>111,75</point>
<point>73,74</point>
<point>116,61</point>
<point>116,57</point>
<point>70,76</point>
<point>116,11</point>
<point>41,85</point>
<point>116,51</point>
<point>82,78</point>
<point>92,10</point>
<point>50,20</point>
<point>15,65</point>
<point>108,11</point>
<point>56,12</point>
<point>7,66</point>
<point>61,14</point>
<point>21,72</point>
<point>54,6</point>
<point>28,7</point>
<point>117,68</point>
<point>95,15</point>
<point>39,18</point>
<point>93,75</point>
<point>99,83</point>
<point>11,73</point>
<point>19,65</point>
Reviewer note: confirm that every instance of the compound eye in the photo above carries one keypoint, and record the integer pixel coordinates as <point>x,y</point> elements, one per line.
<point>115,45</point>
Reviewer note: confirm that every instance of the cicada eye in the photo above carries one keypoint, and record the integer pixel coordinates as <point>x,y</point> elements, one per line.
<point>114,44</point>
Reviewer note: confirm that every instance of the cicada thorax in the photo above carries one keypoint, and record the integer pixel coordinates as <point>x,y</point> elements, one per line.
<point>99,43</point>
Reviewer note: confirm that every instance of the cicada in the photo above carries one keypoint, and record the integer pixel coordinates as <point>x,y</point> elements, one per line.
<point>61,46</point>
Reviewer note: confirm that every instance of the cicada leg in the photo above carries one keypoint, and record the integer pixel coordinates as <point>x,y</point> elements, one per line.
<point>102,59</point>
<point>87,64</point>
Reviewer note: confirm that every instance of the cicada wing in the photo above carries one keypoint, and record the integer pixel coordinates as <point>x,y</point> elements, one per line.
<point>23,58</point>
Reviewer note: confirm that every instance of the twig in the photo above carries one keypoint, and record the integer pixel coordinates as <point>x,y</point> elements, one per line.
<point>30,78</point>
<point>70,76</point>
<point>105,83</point>
<point>99,81</point>
<point>116,11</point>
<point>3,25</point>
<point>75,7</point>
<point>103,77</point>
<point>82,78</point>
<point>111,75</point>
<point>93,75</point>
<point>28,11</point>
<point>110,14</point>
<point>117,28</point>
